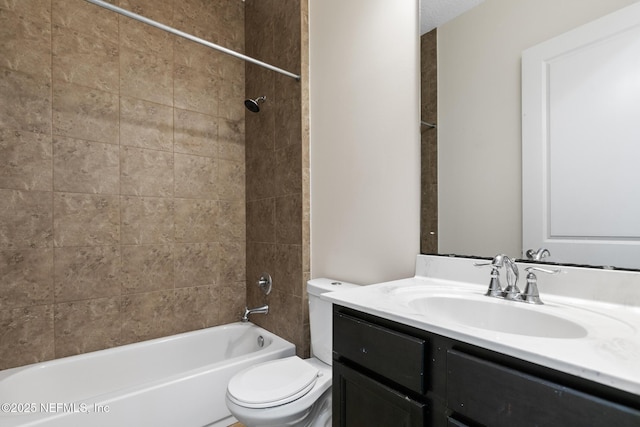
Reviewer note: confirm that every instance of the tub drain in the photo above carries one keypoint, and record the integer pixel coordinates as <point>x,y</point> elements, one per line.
<point>260,341</point>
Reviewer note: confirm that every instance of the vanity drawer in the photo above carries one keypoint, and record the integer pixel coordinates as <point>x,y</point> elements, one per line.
<point>498,396</point>
<point>394,355</point>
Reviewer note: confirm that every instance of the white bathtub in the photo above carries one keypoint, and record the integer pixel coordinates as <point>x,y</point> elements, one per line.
<point>174,381</point>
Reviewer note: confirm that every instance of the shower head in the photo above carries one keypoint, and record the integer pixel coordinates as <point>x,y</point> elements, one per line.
<point>253,105</point>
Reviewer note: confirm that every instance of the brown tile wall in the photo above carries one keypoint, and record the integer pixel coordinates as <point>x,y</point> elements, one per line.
<point>429,143</point>
<point>122,187</point>
<point>277,167</point>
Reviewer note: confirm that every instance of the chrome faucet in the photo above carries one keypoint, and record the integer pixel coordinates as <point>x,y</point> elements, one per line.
<point>537,255</point>
<point>258,310</point>
<point>531,294</point>
<point>495,289</point>
<point>511,291</point>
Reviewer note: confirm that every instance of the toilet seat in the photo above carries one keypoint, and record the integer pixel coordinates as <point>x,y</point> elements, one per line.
<point>273,383</point>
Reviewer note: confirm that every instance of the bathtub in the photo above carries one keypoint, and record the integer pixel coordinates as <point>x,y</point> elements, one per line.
<point>173,381</point>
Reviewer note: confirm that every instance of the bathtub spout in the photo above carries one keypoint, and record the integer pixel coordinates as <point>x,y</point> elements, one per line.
<point>247,311</point>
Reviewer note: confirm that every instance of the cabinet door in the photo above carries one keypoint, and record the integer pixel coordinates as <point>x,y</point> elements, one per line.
<point>498,396</point>
<point>359,401</point>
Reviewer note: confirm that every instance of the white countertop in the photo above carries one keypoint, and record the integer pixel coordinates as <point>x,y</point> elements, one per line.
<point>609,353</point>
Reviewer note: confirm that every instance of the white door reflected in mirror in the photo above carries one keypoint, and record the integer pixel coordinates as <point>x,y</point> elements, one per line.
<point>581,143</point>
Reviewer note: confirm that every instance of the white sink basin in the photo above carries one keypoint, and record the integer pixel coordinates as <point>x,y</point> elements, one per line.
<point>497,315</point>
<point>578,334</point>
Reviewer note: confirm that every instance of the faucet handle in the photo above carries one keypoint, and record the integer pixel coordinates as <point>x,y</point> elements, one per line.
<point>265,283</point>
<point>494,290</point>
<point>484,264</point>
<point>543,270</point>
<point>497,262</point>
<point>531,293</point>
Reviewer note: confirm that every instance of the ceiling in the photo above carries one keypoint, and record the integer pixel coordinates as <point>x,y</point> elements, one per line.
<point>434,13</point>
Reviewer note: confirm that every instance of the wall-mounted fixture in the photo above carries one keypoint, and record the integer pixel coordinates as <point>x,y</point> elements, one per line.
<point>253,105</point>
<point>265,284</point>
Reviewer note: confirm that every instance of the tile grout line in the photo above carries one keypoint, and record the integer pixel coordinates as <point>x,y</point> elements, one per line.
<point>120,297</point>
<point>173,140</point>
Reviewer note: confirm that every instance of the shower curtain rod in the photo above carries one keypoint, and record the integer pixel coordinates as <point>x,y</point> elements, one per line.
<point>187,36</point>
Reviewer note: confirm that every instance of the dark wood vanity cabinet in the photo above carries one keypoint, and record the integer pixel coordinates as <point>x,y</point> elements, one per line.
<point>378,375</point>
<point>389,374</point>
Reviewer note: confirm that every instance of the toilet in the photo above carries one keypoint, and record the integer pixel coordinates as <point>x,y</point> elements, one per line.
<point>291,391</point>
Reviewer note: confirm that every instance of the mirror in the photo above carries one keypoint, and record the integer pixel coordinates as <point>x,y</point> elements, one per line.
<point>479,129</point>
<point>580,136</point>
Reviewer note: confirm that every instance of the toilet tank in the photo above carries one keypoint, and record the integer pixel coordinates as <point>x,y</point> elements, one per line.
<point>321,316</point>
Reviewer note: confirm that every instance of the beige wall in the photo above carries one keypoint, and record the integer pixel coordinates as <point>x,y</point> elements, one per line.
<point>365,149</point>
<point>122,196</point>
<point>479,104</point>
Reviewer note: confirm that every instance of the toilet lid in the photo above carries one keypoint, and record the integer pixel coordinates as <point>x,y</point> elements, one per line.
<point>272,383</point>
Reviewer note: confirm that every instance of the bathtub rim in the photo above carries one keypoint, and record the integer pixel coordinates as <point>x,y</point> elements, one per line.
<point>5,373</point>
<point>278,344</point>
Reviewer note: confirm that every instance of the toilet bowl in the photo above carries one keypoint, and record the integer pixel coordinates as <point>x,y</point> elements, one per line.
<point>291,391</point>
<point>284,392</point>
